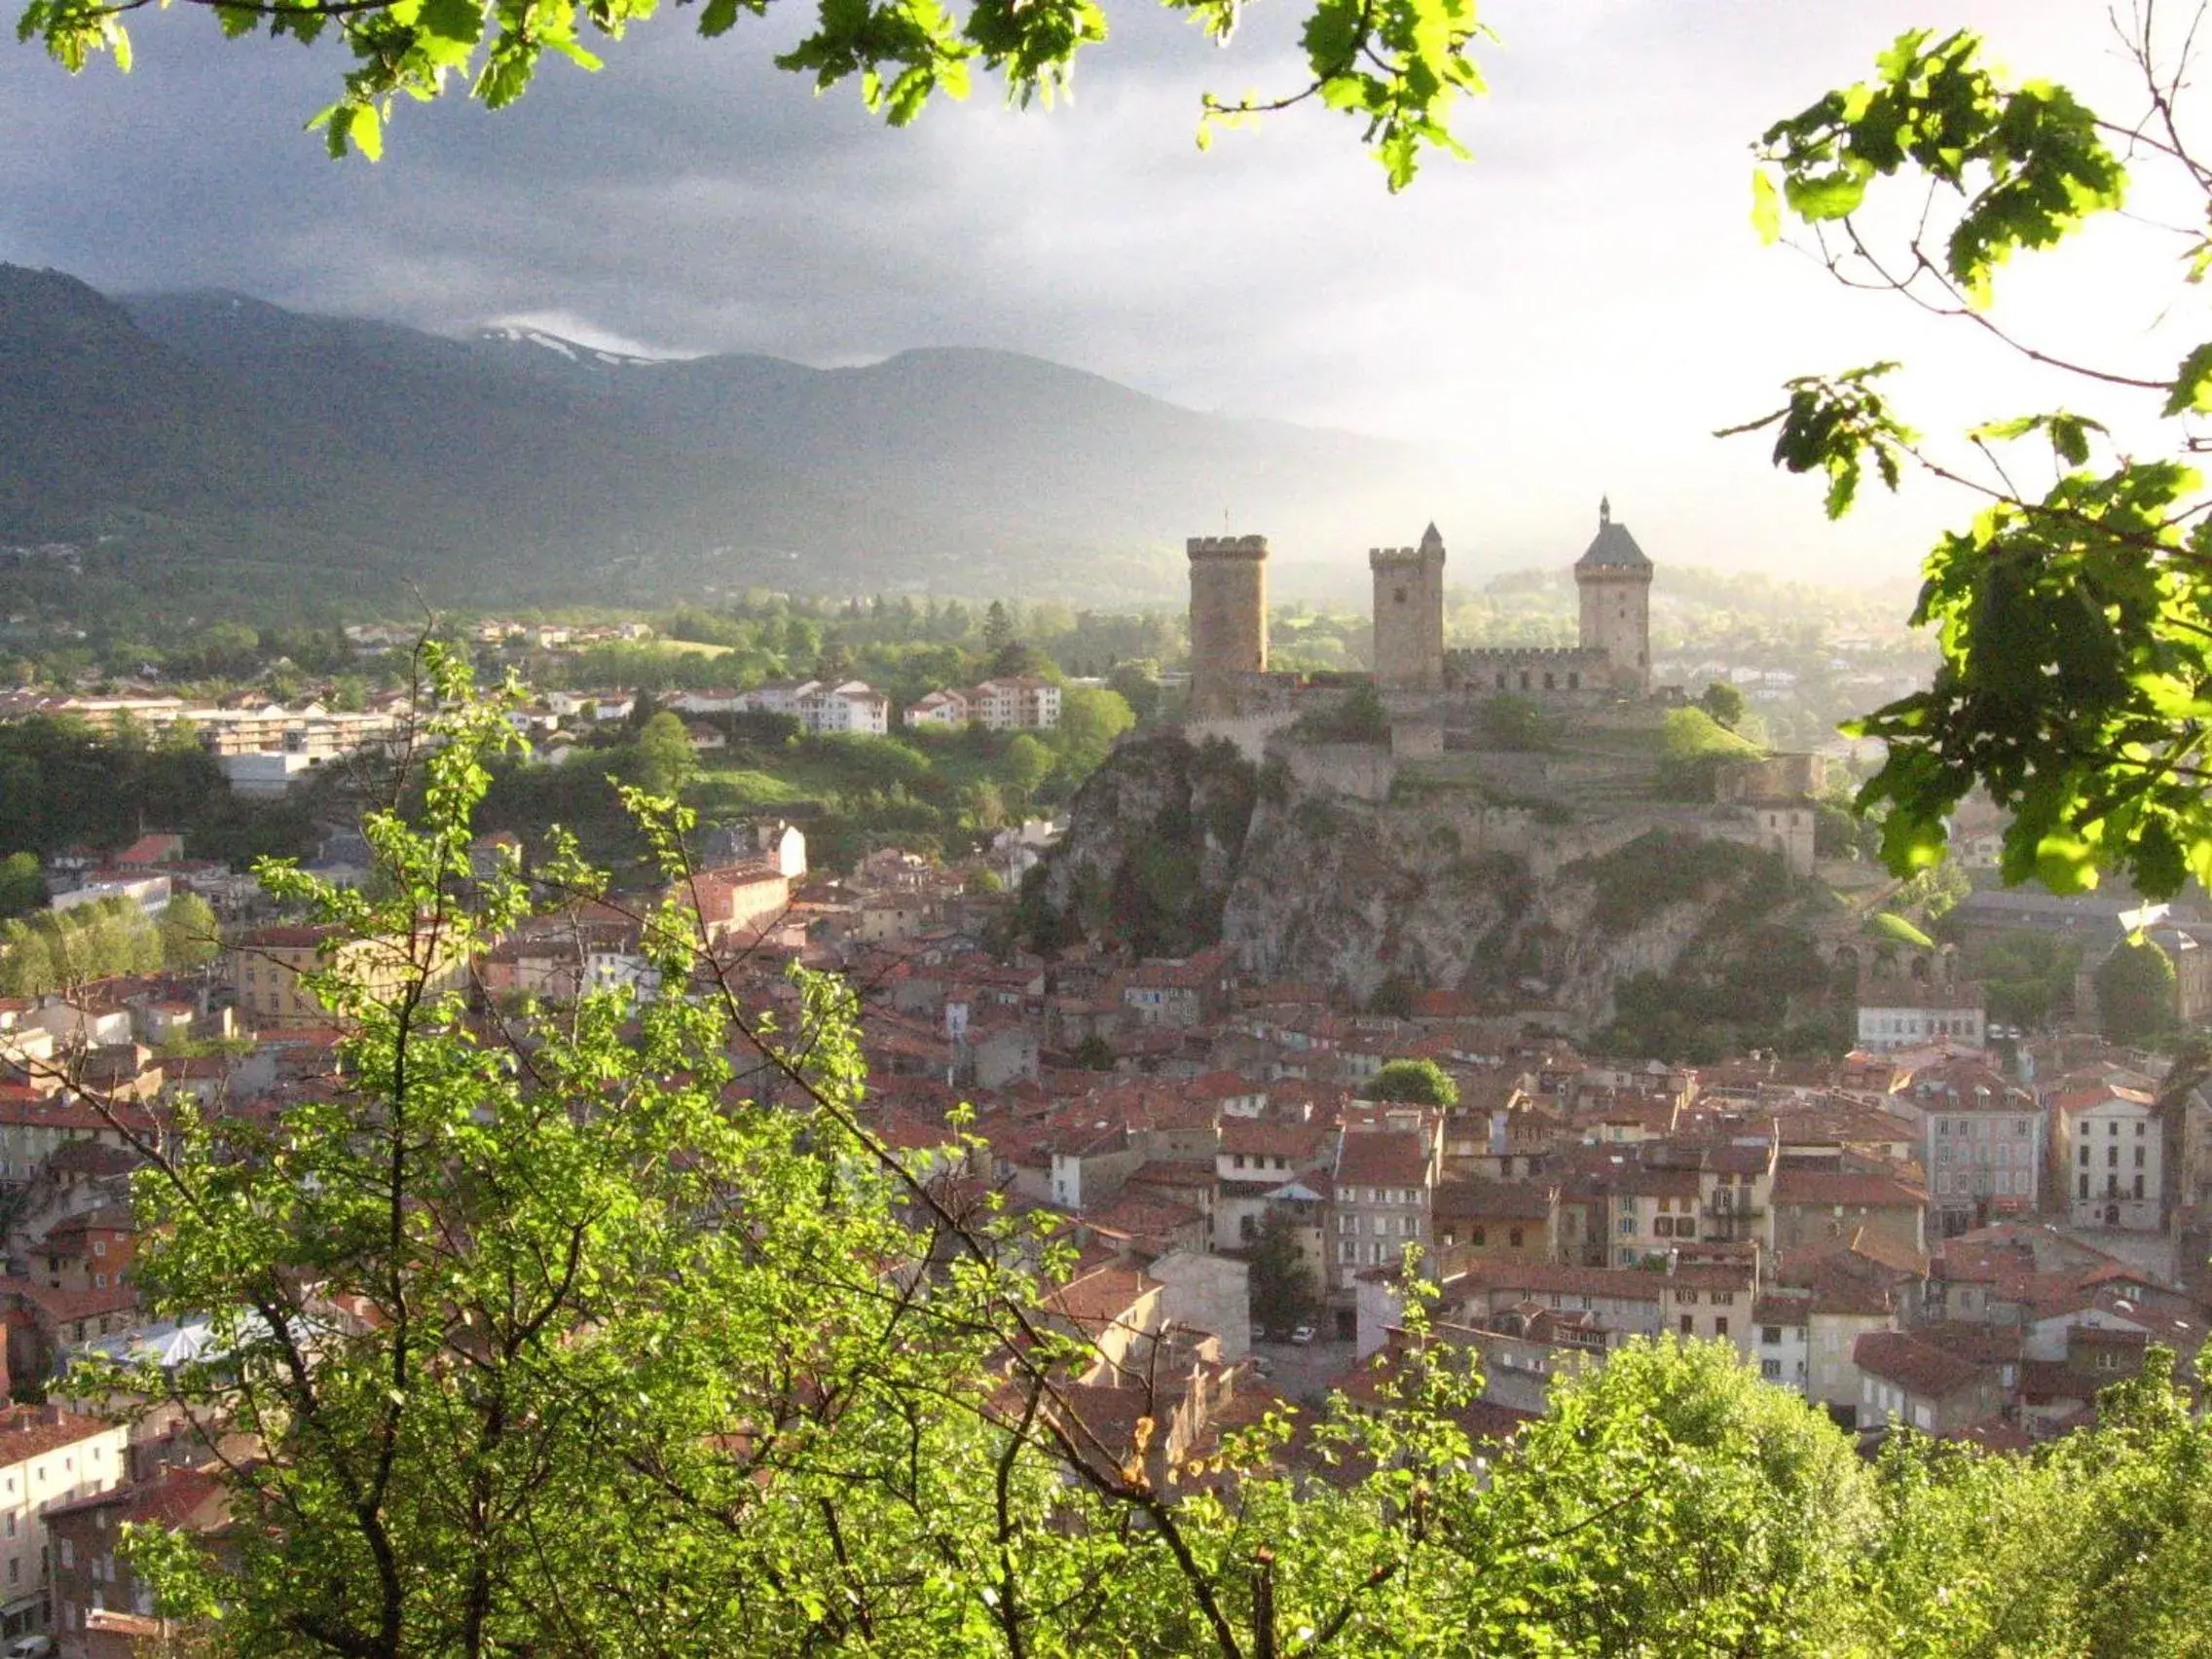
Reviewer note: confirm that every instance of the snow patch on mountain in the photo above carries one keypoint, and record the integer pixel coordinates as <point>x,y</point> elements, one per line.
<point>521,334</point>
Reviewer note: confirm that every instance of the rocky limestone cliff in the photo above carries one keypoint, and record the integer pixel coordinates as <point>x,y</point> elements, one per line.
<point>1173,848</point>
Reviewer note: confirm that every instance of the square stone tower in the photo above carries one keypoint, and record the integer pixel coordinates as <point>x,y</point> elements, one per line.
<point>1614,579</point>
<point>1409,614</point>
<point>1229,617</point>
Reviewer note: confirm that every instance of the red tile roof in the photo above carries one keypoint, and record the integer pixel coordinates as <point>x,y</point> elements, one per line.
<point>1917,1367</point>
<point>26,1431</point>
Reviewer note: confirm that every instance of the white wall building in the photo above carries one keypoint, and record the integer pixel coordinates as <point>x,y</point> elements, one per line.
<point>855,705</point>
<point>2111,1154</point>
<point>1909,1014</point>
<point>49,1456</point>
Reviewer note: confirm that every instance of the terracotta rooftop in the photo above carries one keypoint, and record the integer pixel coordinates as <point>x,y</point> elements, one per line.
<point>1918,1368</point>
<point>27,1431</point>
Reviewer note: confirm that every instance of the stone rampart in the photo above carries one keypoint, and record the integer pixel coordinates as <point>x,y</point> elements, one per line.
<point>1364,771</point>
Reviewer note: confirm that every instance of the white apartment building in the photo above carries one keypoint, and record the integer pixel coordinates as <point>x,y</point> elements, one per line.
<point>852,706</point>
<point>2111,1154</point>
<point>1024,703</point>
<point>49,1456</point>
<point>773,697</point>
<point>947,709</point>
<point>1910,1014</point>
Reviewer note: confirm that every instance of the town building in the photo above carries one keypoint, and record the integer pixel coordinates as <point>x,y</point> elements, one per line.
<point>1980,1140</point>
<point>102,1608</point>
<point>50,1457</point>
<point>269,966</point>
<point>2110,1152</point>
<point>1904,1012</point>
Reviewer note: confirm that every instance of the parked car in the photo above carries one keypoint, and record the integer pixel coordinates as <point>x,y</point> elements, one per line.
<point>1303,1336</point>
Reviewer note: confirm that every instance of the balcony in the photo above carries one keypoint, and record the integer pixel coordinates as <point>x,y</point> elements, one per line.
<point>1731,1225</point>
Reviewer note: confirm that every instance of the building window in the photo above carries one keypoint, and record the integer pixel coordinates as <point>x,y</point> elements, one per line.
<point>1478,1237</point>
<point>1721,1326</point>
<point>1771,1369</point>
<point>1514,1239</point>
<point>1771,1335</point>
<point>1687,1326</point>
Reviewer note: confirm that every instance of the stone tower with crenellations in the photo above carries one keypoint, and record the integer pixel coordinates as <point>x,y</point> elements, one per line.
<point>1614,579</point>
<point>1409,614</point>
<point>1229,617</point>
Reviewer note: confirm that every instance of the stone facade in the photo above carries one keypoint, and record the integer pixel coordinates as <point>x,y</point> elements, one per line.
<point>1423,683</point>
<point>1547,673</point>
<point>1614,580</point>
<point>1229,616</point>
<point>1409,614</point>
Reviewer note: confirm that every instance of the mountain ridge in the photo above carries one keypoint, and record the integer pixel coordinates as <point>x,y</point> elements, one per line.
<point>208,422</point>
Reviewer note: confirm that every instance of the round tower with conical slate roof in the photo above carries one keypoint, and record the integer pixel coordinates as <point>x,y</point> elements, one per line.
<point>1614,579</point>
<point>1409,614</point>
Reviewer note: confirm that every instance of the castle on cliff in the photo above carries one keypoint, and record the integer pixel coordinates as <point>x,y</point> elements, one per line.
<point>1586,787</point>
<point>1417,677</point>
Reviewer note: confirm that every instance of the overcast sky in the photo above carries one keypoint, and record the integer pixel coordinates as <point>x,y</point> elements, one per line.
<point>1572,312</point>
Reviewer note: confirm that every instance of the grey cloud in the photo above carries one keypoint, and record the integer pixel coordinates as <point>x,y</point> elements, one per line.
<point>1574,312</point>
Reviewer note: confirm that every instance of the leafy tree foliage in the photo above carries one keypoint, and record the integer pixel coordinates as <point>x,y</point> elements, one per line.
<point>190,935</point>
<point>664,757</point>
<point>1513,723</point>
<point>559,1339</point>
<point>1094,1053</point>
<point>1693,748</point>
<point>1091,719</point>
<point>1399,69</point>
<point>1137,685</point>
<point>2135,991</point>
<point>1393,997</point>
<point>2075,684</point>
<point>1285,1295</point>
<point>1724,702</point>
<point>1360,717</point>
<point>2027,976</point>
<point>57,948</point>
<point>23,884</point>
<point>1029,763</point>
<point>1419,1082</point>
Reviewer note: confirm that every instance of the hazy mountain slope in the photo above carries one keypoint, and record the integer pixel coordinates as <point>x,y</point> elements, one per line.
<point>517,464</point>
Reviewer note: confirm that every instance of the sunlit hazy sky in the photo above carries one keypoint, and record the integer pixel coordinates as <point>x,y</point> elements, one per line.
<point>1572,312</point>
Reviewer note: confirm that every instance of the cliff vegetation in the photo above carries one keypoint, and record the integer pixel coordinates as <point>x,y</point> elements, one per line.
<point>1173,848</point>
